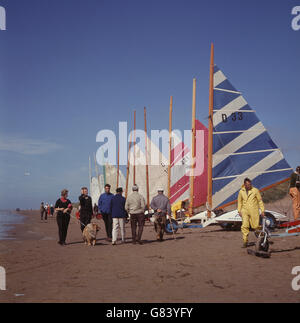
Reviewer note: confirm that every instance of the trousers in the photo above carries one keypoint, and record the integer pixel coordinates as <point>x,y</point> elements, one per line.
<point>108,224</point>
<point>85,219</point>
<point>63,224</point>
<point>250,217</point>
<point>295,195</point>
<point>118,223</point>
<point>137,219</point>
<point>160,221</point>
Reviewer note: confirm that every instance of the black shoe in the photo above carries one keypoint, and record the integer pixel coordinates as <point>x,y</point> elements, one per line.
<point>133,242</point>
<point>140,242</point>
<point>245,245</point>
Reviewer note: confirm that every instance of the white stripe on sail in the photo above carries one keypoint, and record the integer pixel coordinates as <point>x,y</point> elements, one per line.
<point>219,77</point>
<point>235,105</point>
<point>254,173</point>
<point>260,167</point>
<point>234,131</point>
<point>177,173</point>
<point>230,91</point>
<point>182,196</point>
<point>238,143</point>
<point>216,110</point>
<point>249,152</point>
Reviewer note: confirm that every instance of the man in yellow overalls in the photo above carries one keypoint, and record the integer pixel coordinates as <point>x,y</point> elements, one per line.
<point>249,203</point>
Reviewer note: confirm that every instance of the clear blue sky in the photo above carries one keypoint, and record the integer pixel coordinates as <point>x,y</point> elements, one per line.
<point>69,68</point>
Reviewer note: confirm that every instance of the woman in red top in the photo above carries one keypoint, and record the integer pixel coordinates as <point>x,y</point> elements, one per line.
<point>63,207</point>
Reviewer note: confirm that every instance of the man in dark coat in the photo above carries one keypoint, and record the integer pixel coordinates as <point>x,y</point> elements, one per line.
<point>104,208</point>
<point>119,215</point>
<point>86,208</point>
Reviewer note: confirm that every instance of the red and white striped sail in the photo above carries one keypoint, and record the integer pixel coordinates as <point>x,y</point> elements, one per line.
<point>180,168</point>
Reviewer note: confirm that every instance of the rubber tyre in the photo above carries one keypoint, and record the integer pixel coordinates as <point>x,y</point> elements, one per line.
<point>259,247</point>
<point>226,226</point>
<point>271,218</point>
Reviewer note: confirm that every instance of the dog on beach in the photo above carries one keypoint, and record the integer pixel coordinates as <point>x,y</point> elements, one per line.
<point>89,234</point>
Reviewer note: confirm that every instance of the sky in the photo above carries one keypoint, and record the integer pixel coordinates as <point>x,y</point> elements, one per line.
<point>70,68</point>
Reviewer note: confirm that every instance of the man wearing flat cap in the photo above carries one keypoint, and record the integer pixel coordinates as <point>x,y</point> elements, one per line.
<point>135,206</point>
<point>162,207</point>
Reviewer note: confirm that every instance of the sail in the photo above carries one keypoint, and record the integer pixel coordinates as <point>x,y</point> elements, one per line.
<point>180,171</point>
<point>95,190</point>
<point>111,177</point>
<point>242,146</point>
<point>158,173</point>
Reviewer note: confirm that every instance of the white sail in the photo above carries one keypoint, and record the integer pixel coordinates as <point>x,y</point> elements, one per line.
<point>158,174</point>
<point>95,189</point>
<point>111,177</point>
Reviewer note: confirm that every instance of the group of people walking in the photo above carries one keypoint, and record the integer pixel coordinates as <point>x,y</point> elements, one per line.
<point>46,210</point>
<point>114,210</point>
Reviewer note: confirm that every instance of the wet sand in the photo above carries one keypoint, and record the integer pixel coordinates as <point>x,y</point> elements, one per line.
<point>202,265</point>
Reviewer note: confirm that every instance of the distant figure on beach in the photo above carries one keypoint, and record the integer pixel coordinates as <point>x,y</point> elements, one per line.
<point>135,206</point>
<point>249,203</point>
<point>104,207</point>
<point>42,211</point>
<point>63,207</point>
<point>48,209</point>
<point>162,208</point>
<point>119,215</point>
<point>295,192</point>
<point>86,208</point>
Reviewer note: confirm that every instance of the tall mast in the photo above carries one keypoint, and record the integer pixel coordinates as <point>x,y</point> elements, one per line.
<point>134,128</point>
<point>103,168</point>
<point>90,174</point>
<point>210,132</point>
<point>118,168</point>
<point>170,146</point>
<point>146,154</point>
<point>128,160</point>
<point>193,159</point>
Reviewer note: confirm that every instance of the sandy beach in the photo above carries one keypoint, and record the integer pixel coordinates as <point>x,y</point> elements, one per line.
<point>205,265</point>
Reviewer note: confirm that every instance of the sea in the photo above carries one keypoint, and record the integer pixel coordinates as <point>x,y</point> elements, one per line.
<point>7,221</point>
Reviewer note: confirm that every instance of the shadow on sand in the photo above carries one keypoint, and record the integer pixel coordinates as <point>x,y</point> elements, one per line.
<point>285,250</point>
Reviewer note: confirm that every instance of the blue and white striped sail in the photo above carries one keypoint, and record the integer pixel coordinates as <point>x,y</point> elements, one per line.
<point>242,146</point>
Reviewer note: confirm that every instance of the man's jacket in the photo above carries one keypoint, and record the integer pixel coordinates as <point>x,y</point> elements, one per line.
<point>251,201</point>
<point>117,205</point>
<point>135,203</point>
<point>104,203</point>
